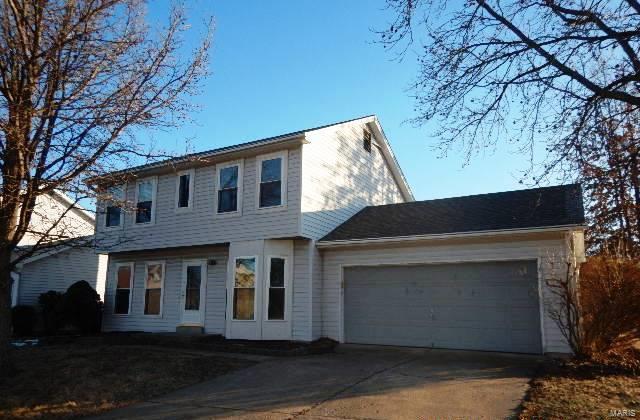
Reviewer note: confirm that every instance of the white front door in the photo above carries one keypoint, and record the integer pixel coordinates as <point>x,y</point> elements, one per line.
<point>194,281</point>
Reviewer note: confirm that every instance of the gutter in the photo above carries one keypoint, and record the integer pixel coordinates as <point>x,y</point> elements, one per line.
<point>452,235</point>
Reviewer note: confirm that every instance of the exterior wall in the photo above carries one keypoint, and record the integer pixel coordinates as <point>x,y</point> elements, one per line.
<point>302,293</point>
<point>200,225</point>
<point>339,178</point>
<point>59,271</point>
<point>50,210</point>
<point>547,250</point>
<point>215,300</point>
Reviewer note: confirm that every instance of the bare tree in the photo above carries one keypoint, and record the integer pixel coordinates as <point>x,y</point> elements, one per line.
<point>520,70</point>
<point>76,79</point>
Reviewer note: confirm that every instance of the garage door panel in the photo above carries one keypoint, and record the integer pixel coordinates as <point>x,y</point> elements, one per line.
<point>481,306</point>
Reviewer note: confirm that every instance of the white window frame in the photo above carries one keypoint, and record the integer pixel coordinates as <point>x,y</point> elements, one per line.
<point>255,288</point>
<point>284,169</point>
<point>219,168</point>
<point>144,296</point>
<point>154,188</point>
<point>192,176</point>
<point>131,266</point>
<point>285,287</point>
<point>106,204</point>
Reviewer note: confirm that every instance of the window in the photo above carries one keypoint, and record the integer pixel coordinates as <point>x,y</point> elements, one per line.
<point>272,182</point>
<point>124,280</point>
<point>184,189</point>
<point>145,197</point>
<point>113,211</point>
<point>229,188</point>
<point>367,141</point>
<point>244,288</point>
<point>276,289</point>
<point>153,282</point>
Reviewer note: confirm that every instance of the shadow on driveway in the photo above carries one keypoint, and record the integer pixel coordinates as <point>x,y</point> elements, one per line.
<point>356,382</point>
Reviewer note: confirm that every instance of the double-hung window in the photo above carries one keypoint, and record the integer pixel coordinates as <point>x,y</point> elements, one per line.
<point>113,208</point>
<point>244,288</point>
<point>124,285</point>
<point>272,170</point>
<point>229,187</point>
<point>277,293</point>
<point>184,189</point>
<point>153,284</point>
<point>145,201</point>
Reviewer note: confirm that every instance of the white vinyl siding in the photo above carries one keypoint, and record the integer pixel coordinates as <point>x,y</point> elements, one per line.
<point>202,225</point>
<point>59,271</point>
<point>172,308</point>
<point>339,178</point>
<point>545,250</point>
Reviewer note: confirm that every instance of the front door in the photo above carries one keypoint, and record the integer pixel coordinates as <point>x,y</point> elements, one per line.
<point>194,280</point>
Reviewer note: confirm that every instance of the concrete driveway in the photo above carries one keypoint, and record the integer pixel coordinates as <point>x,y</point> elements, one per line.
<point>357,382</point>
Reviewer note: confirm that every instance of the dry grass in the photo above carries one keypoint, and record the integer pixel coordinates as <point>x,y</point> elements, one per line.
<point>74,380</point>
<point>571,390</point>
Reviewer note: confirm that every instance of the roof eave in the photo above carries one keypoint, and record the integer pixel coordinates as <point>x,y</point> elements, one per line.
<point>470,234</point>
<point>203,159</point>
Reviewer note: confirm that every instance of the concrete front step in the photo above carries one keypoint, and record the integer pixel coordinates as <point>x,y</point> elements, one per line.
<point>189,329</point>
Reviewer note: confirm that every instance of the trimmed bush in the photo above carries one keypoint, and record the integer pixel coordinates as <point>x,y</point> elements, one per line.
<point>53,311</point>
<point>83,308</point>
<point>23,318</point>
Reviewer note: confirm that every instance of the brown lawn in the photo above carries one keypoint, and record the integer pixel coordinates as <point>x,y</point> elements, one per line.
<point>77,379</point>
<point>564,391</point>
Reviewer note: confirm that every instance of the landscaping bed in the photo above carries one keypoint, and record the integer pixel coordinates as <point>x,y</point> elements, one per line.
<point>279,348</point>
<point>77,379</point>
<point>569,389</point>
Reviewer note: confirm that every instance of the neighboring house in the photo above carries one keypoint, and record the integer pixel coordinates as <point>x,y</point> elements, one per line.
<point>57,268</point>
<point>315,233</point>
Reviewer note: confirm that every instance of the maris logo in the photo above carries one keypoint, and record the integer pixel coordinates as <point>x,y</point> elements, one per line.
<point>622,413</point>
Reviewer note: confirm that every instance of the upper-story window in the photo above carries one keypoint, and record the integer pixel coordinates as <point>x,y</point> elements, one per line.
<point>366,142</point>
<point>145,201</point>
<point>229,187</point>
<point>272,172</point>
<point>113,209</point>
<point>184,189</point>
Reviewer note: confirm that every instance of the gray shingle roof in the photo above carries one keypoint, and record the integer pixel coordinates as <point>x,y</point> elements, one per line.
<point>533,208</point>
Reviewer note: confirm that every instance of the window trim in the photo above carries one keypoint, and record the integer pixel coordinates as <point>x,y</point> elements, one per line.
<point>367,141</point>
<point>284,155</point>
<point>192,176</point>
<point>154,188</point>
<point>122,210</point>
<point>219,168</point>
<point>285,288</point>
<point>255,287</point>
<point>144,288</point>
<point>131,266</point>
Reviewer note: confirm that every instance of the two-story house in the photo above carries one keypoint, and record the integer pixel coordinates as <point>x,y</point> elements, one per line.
<point>316,233</point>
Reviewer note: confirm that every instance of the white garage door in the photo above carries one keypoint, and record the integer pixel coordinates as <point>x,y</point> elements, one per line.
<point>480,306</point>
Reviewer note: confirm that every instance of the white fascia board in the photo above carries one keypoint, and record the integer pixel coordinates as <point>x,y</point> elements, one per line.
<point>417,238</point>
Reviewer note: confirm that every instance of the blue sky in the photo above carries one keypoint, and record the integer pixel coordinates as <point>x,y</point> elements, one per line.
<point>280,66</point>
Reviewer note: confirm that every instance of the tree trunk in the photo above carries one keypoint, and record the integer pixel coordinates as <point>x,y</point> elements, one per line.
<point>6,365</point>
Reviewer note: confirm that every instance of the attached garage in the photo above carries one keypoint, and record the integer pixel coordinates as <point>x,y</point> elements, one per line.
<point>461,273</point>
<point>478,306</point>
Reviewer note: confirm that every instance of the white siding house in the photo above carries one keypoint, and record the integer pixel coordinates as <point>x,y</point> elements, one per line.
<point>251,242</point>
<point>59,218</point>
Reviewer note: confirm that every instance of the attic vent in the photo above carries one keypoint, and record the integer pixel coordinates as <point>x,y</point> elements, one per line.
<point>367,141</point>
